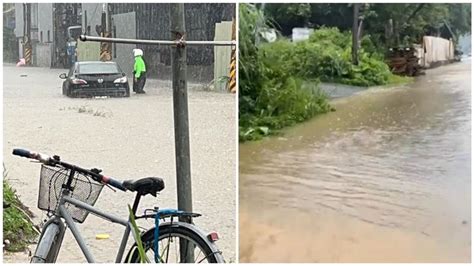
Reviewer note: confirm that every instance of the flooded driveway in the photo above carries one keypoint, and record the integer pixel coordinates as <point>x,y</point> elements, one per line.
<point>128,138</point>
<point>385,178</point>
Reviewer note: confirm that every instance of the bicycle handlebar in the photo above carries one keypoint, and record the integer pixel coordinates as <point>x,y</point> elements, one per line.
<point>45,159</point>
<point>31,155</point>
<point>21,152</point>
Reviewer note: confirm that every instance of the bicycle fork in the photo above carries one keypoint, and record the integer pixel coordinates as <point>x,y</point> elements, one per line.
<point>50,241</point>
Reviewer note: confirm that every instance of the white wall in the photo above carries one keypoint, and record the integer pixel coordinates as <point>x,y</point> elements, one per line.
<point>45,21</point>
<point>437,50</point>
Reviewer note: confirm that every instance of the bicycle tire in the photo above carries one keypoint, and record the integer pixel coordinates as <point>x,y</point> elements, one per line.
<point>189,231</point>
<point>49,244</point>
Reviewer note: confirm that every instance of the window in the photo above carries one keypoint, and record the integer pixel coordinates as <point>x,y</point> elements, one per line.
<point>103,68</point>
<point>41,36</point>
<point>49,37</point>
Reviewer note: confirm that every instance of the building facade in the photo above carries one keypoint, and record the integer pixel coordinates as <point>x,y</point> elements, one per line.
<point>49,22</point>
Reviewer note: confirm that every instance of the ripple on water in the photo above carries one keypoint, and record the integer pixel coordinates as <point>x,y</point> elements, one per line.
<point>383,165</point>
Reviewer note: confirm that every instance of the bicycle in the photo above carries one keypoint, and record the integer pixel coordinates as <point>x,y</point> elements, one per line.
<point>68,193</point>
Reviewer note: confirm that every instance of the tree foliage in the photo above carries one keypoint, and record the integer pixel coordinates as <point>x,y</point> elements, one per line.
<point>325,56</point>
<point>388,23</point>
<point>271,96</point>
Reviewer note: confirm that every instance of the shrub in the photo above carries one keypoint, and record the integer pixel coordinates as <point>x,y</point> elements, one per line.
<point>17,226</point>
<point>331,37</point>
<point>327,56</point>
<point>272,94</point>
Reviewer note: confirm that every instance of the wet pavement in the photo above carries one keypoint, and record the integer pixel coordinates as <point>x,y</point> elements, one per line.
<point>128,138</point>
<point>385,178</point>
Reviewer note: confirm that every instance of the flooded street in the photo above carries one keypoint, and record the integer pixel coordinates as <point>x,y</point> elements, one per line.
<point>385,178</point>
<point>128,138</point>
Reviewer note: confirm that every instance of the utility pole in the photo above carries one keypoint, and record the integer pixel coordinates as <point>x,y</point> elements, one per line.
<point>105,48</point>
<point>233,62</point>
<point>27,48</point>
<point>355,31</point>
<point>108,21</point>
<point>181,122</point>
<point>180,104</point>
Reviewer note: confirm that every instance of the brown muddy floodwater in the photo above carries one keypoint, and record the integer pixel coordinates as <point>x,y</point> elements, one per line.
<point>385,178</point>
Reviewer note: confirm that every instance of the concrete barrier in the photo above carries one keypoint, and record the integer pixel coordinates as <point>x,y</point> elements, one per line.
<point>222,55</point>
<point>43,54</point>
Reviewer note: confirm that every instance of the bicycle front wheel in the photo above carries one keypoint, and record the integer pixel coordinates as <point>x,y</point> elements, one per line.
<point>170,243</point>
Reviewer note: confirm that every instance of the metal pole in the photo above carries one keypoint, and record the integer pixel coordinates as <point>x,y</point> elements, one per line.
<point>86,38</point>
<point>180,104</point>
<point>181,124</point>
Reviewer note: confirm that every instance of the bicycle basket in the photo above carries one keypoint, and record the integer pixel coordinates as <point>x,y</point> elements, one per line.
<point>52,179</point>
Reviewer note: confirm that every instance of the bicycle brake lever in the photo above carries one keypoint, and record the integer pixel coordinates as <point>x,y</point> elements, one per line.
<point>95,170</point>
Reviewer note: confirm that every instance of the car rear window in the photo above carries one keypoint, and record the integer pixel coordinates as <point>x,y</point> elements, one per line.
<point>98,68</point>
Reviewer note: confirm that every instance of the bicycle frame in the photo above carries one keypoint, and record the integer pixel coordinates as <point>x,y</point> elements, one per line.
<point>63,213</point>
<point>48,248</point>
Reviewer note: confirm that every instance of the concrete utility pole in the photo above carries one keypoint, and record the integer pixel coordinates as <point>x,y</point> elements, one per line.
<point>105,48</point>
<point>181,123</point>
<point>27,47</point>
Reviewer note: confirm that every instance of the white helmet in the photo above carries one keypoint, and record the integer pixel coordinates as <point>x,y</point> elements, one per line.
<point>137,52</point>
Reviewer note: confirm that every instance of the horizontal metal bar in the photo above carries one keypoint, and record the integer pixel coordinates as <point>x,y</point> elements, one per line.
<point>86,38</point>
<point>97,212</point>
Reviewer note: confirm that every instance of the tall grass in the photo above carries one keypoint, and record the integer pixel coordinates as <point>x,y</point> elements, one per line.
<point>18,228</point>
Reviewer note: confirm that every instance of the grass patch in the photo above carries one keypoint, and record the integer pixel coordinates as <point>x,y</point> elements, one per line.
<point>399,80</point>
<point>18,228</point>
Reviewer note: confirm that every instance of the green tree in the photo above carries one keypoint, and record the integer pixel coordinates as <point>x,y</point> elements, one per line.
<point>460,18</point>
<point>388,24</point>
<point>288,16</point>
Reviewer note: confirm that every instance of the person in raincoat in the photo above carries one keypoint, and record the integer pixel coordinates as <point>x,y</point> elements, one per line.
<point>139,71</point>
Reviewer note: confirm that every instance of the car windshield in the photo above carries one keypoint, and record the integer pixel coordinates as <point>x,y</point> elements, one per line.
<point>98,68</point>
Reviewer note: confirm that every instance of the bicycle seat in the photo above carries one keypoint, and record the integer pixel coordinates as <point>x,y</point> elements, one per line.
<point>144,186</point>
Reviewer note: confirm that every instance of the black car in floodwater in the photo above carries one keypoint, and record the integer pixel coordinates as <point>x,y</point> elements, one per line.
<point>95,78</point>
